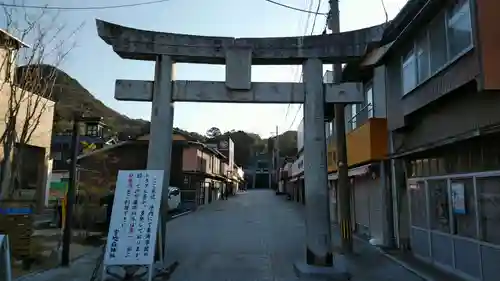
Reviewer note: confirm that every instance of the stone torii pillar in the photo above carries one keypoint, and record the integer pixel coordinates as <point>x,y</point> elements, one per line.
<point>239,54</point>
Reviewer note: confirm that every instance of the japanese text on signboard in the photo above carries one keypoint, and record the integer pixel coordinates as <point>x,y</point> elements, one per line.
<point>134,218</point>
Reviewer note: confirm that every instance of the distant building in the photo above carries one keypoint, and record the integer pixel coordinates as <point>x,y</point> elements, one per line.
<point>93,133</point>
<point>198,170</point>
<point>226,146</point>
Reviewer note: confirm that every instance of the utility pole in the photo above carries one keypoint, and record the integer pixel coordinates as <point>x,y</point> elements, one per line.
<point>70,195</point>
<point>277,160</point>
<point>271,168</point>
<point>277,149</point>
<point>343,188</point>
<point>255,166</point>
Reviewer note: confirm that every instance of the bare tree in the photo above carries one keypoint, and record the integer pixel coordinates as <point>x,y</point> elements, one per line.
<point>27,92</point>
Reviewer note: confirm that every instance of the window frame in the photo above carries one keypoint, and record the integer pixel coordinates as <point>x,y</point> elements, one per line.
<point>409,58</point>
<point>423,36</point>
<point>370,106</point>
<point>57,153</point>
<point>446,19</point>
<point>443,16</point>
<point>354,115</point>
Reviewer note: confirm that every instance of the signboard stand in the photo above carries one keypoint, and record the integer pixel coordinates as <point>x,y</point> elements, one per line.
<point>5,267</point>
<point>134,222</point>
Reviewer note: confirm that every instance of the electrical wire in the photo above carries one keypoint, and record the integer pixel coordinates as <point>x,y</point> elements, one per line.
<point>316,16</point>
<point>385,11</point>
<point>295,9</point>
<point>62,8</point>
<point>83,8</point>
<point>302,75</point>
<point>296,69</point>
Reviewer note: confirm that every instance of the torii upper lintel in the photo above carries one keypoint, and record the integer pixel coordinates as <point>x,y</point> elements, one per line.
<point>131,43</point>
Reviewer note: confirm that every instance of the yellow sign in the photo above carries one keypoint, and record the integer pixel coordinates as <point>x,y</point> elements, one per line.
<point>88,147</point>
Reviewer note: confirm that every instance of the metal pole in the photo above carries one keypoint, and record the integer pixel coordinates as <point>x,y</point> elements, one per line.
<point>70,196</point>
<point>255,166</point>
<point>277,158</point>
<point>318,233</point>
<point>270,169</point>
<point>343,188</point>
<point>160,138</point>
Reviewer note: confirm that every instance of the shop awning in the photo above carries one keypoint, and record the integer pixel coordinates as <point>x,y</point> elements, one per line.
<point>358,171</point>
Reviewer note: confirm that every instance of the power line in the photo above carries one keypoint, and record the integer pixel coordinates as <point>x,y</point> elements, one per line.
<point>385,11</point>
<point>296,69</point>
<point>316,16</point>
<point>82,8</point>
<point>65,8</point>
<point>295,117</point>
<point>295,8</point>
<point>302,75</point>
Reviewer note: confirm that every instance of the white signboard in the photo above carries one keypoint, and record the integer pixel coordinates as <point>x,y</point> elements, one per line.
<point>134,219</point>
<point>5,269</point>
<point>458,198</point>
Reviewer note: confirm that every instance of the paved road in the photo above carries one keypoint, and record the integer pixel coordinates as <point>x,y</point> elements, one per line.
<point>253,236</point>
<point>257,236</point>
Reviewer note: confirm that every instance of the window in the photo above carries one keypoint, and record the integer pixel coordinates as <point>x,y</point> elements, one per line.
<point>354,113</point>
<point>437,43</point>
<point>329,129</point>
<point>423,57</point>
<point>459,27</point>
<point>57,155</point>
<point>409,72</point>
<point>445,38</point>
<point>369,100</point>
<point>418,203</point>
<point>91,130</point>
<point>489,212</point>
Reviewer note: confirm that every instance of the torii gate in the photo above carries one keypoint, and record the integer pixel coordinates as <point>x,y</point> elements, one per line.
<point>239,54</point>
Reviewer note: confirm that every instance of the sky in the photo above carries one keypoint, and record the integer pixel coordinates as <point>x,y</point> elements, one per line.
<point>96,66</point>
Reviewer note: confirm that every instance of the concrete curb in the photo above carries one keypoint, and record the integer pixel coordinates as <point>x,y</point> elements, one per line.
<point>398,261</point>
<point>181,214</point>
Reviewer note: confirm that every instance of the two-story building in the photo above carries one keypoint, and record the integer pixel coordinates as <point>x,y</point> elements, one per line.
<point>433,87</point>
<point>205,171</point>
<point>225,145</point>
<point>199,171</point>
<point>29,143</point>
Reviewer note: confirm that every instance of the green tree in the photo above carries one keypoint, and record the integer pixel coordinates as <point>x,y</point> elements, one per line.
<point>213,132</point>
